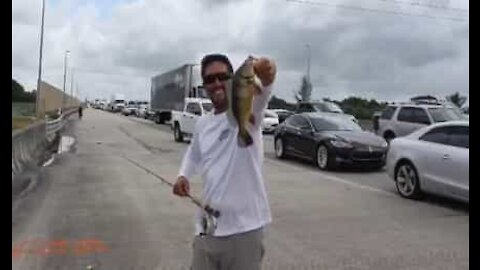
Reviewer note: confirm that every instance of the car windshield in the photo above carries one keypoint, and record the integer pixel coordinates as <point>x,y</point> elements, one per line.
<point>207,106</point>
<point>321,107</point>
<point>333,107</point>
<point>443,114</point>
<point>327,107</point>
<point>336,124</point>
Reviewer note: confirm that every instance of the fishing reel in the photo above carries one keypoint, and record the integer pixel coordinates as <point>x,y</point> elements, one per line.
<point>209,220</point>
<point>209,224</point>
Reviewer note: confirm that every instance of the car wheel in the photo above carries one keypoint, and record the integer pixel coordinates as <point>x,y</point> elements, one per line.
<point>407,181</point>
<point>324,159</point>
<point>177,133</point>
<point>279,148</point>
<point>157,118</point>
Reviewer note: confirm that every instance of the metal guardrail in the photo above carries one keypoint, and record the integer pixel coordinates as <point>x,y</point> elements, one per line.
<point>53,127</point>
<point>56,125</point>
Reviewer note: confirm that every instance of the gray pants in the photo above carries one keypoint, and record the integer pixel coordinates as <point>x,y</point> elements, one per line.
<point>234,252</point>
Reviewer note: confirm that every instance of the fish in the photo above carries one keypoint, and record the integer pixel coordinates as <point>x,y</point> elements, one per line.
<point>240,96</point>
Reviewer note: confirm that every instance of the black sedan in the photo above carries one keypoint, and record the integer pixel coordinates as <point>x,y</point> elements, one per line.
<point>329,140</point>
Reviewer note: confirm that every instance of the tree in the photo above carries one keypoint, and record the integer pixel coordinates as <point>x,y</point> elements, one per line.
<point>305,91</point>
<point>17,90</point>
<point>19,94</point>
<point>279,103</point>
<point>361,108</point>
<point>457,99</point>
<point>276,103</point>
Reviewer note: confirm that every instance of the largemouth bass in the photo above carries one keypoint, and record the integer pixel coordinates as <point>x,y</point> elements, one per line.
<point>240,98</point>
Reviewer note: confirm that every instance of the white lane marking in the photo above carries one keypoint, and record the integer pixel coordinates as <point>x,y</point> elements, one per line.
<point>48,162</point>
<point>334,178</point>
<point>360,186</point>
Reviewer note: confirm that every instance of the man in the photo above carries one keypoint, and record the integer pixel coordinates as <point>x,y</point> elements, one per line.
<point>80,112</point>
<point>232,175</point>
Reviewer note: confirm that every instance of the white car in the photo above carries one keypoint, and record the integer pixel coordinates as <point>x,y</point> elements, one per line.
<point>270,121</point>
<point>433,159</point>
<point>130,109</point>
<point>143,111</point>
<point>142,108</point>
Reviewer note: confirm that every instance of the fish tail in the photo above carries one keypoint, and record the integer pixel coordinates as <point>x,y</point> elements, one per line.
<point>244,138</point>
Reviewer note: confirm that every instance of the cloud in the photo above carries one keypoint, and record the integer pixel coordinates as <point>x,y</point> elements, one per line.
<point>352,52</point>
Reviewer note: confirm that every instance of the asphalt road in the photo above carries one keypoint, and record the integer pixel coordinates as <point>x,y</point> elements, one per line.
<point>92,208</point>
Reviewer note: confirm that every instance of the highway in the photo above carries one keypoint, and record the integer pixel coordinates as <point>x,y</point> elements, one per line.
<point>91,208</point>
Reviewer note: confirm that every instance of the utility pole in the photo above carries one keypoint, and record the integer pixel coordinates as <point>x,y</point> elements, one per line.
<point>64,77</point>
<point>37,94</point>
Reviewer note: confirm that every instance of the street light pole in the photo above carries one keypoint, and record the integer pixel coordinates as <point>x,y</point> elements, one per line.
<point>64,77</point>
<point>308,62</point>
<point>71,88</point>
<point>37,94</point>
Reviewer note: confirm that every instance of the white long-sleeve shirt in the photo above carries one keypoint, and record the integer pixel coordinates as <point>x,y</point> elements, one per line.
<point>232,175</point>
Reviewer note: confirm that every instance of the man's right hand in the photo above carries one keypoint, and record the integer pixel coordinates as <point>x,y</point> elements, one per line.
<point>181,187</point>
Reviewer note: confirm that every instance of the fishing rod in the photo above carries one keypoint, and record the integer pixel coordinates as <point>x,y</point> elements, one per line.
<point>196,201</point>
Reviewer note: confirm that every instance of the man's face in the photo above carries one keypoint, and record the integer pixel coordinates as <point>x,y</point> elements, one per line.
<point>215,81</point>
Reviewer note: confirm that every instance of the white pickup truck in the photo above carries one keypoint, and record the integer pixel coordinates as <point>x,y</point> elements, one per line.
<point>183,123</point>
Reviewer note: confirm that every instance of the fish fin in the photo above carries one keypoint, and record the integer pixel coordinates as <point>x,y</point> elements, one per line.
<point>244,139</point>
<point>252,119</point>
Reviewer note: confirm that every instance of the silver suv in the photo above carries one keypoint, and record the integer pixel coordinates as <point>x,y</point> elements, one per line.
<point>398,120</point>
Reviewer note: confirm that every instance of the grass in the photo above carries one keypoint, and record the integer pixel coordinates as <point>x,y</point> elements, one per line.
<point>19,122</point>
<point>23,109</point>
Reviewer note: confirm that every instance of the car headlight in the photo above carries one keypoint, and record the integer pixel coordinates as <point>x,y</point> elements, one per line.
<point>341,144</point>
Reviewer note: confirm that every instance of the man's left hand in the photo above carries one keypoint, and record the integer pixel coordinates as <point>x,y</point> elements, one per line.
<point>265,70</point>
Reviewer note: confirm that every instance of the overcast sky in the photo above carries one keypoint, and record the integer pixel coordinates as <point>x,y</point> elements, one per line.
<point>118,45</point>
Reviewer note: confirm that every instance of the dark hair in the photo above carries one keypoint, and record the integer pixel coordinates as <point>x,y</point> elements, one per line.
<point>209,58</point>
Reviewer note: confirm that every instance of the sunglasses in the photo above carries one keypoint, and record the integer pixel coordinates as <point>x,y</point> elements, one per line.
<point>220,76</point>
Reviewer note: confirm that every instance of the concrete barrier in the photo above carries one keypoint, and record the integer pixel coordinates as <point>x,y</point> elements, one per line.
<point>52,98</point>
<point>29,144</point>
